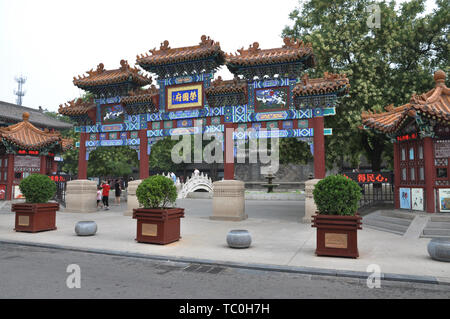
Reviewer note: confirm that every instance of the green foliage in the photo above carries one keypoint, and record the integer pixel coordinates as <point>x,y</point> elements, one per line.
<point>293,151</point>
<point>160,156</point>
<point>384,65</point>
<point>37,188</point>
<point>337,195</point>
<point>112,161</point>
<point>156,191</point>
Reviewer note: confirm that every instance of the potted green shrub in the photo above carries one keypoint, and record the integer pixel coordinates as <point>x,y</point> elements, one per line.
<point>157,223</point>
<point>337,220</point>
<point>36,214</point>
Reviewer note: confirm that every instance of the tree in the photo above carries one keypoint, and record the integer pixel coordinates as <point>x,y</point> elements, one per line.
<point>385,64</point>
<point>116,161</point>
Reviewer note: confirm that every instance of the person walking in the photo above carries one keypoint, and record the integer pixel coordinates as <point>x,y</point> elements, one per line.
<point>105,193</point>
<point>99,198</point>
<point>118,191</point>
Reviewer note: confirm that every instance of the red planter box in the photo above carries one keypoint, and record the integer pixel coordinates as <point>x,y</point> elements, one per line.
<point>337,235</point>
<point>158,226</point>
<point>35,217</point>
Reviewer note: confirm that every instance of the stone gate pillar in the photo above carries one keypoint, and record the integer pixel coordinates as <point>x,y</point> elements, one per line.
<point>310,205</point>
<point>81,196</point>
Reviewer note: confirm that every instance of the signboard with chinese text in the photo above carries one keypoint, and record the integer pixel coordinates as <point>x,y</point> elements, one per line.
<point>442,148</point>
<point>370,178</point>
<point>184,96</point>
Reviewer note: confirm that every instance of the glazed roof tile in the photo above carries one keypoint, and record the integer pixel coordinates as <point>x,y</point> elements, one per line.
<point>328,84</point>
<point>166,55</point>
<point>293,50</point>
<point>26,136</point>
<point>141,96</point>
<point>435,103</point>
<point>104,77</point>
<point>76,107</point>
<point>220,86</point>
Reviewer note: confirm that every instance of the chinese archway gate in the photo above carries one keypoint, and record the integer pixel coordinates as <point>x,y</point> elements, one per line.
<point>269,91</point>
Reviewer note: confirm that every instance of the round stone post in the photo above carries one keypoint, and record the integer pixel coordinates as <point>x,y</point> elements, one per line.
<point>310,206</point>
<point>132,201</point>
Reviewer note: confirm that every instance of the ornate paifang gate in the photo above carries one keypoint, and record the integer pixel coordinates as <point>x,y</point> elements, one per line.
<point>266,93</point>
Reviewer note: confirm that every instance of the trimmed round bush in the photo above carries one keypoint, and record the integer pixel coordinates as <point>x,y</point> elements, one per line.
<point>37,188</point>
<point>156,192</point>
<point>337,195</point>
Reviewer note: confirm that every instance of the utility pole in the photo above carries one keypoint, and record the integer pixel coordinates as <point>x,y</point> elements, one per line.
<point>20,92</point>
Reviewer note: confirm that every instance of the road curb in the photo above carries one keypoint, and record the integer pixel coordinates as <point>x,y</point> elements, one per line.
<point>262,267</point>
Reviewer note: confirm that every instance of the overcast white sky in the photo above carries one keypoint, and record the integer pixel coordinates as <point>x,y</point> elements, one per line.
<point>51,41</point>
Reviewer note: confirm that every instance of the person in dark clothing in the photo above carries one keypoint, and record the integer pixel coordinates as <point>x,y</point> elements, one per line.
<point>118,191</point>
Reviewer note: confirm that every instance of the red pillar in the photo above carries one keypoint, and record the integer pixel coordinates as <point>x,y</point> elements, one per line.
<point>82,162</point>
<point>228,165</point>
<point>319,147</point>
<point>397,175</point>
<point>43,169</point>
<point>143,160</point>
<point>10,177</point>
<point>429,174</point>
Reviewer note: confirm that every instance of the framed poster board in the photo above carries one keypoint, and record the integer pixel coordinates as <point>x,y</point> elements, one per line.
<point>405,198</point>
<point>272,99</point>
<point>444,200</point>
<point>2,192</point>
<point>185,96</point>
<point>17,193</point>
<point>417,198</point>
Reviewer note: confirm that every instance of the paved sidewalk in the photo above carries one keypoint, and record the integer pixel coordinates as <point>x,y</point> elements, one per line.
<point>279,241</point>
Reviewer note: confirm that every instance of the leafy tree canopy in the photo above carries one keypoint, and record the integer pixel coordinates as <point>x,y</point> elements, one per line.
<point>384,64</point>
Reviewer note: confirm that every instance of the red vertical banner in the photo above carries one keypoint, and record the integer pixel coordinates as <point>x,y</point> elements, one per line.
<point>43,169</point>
<point>10,177</point>
<point>397,175</point>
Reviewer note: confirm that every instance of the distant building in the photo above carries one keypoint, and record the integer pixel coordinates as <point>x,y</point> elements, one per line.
<point>12,114</point>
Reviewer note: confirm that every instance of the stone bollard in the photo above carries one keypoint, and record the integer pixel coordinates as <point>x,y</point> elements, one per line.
<point>239,238</point>
<point>310,206</point>
<point>439,249</point>
<point>81,196</point>
<point>86,228</point>
<point>132,201</point>
<point>229,200</point>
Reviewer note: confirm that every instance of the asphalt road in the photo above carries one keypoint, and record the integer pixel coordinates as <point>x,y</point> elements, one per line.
<point>33,272</point>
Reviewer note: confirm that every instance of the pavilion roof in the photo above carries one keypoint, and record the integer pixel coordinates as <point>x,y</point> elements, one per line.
<point>76,107</point>
<point>220,86</point>
<point>434,104</point>
<point>293,50</point>
<point>329,83</point>
<point>167,55</point>
<point>100,76</point>
<point>26,136</point>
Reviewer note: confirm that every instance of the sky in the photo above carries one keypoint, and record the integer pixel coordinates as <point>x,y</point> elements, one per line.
<point>51,41</point>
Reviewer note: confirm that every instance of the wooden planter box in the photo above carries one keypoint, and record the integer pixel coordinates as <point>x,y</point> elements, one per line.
<point>337,235</point>
<point>158,226</point>
<point>35,217</point>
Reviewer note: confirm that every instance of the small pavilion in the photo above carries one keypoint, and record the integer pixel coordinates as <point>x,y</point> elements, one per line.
<point>24,150</point>
<point>420,132</point>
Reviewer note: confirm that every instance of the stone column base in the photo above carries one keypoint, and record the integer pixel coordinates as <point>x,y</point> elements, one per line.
<point>310,206</point>
<point>229,200</point>
<point>81,196</point>
<point>132,201</point>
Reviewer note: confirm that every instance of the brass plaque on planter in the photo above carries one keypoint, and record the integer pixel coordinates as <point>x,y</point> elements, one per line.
<point>149,230</point>
<point>24,220</point>
<point>333,240</point>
